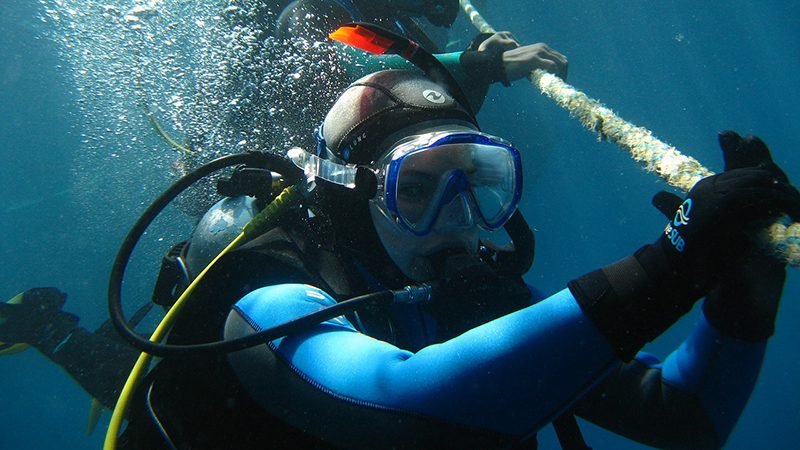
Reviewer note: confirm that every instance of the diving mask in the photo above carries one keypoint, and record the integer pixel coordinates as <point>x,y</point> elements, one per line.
<point>439,178</point>
<point>474,177</point>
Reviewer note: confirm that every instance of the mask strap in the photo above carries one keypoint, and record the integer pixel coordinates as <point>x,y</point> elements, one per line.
<point>519,260</point>
<point>322,146</point>
<point>360,179</point>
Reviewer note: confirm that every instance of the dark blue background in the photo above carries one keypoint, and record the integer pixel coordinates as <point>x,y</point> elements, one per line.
<point>684,69</point>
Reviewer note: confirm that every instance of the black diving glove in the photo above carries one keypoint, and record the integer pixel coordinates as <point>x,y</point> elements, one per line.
<point>37,319</point>
<point>636,299</point>
<point>486,64</point>
<point>744,304</point>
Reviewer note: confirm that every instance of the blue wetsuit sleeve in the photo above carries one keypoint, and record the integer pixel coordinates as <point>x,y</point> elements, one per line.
<point>512,375</point>
<point>719,370</point>
<point>692,400</point>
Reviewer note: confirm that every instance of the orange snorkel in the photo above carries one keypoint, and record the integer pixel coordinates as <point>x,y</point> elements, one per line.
<point>380,41</point>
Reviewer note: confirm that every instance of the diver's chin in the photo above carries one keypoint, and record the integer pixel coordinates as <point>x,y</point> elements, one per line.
<point>428,264</point>
<point>419,269</point>
<point>434,264</point>
<point>443,261</point>
<point>418,256</point>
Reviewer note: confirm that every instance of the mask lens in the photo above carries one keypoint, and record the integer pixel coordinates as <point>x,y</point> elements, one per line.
<point>494,184</point>
<point>422,181</point>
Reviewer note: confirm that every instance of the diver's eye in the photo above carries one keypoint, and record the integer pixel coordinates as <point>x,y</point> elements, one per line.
<point>412,192</point>
<point>416,188</point>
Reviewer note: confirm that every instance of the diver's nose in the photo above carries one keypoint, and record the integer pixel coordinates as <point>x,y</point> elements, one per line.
<point>456,214</point>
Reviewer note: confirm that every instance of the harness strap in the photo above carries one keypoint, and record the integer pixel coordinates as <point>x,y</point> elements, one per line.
<point>569,434</point>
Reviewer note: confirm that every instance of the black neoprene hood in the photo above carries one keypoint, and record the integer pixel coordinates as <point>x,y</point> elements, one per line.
<point>383,103</point>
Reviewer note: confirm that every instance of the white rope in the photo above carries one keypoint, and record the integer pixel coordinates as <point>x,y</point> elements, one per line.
<point>475,17</point>
<point>678,170</point>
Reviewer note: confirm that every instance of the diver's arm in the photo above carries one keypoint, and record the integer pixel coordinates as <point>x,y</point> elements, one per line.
<point>696,397</point>
<point>98,361</point>
<point>359,64</point>
<point>490,58</point>
<point>509,377</point>
<point>692,400</point>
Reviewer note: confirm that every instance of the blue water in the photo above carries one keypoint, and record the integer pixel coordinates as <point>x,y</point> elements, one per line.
<point>79,163</point>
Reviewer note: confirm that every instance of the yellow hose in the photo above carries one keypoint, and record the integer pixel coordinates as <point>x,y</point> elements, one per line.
<point>143,362</point>
<point>264,220</point>
<point>678,170</point>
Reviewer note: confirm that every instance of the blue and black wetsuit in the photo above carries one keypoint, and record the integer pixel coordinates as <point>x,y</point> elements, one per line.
<point>499,382</point>
<point>405,377</point>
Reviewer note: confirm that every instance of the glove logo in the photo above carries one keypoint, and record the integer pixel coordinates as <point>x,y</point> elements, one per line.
<point>682,216</point>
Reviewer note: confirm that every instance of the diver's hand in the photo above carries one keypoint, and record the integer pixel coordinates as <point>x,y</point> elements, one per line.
<point>498,42</point>
<point>707,239</point>
<point>745,301</point>
<point>521,61</point>
<point>713,226</point>
<point>498,57</point>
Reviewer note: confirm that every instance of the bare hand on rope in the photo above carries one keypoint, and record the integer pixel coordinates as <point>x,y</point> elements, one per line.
<point>520,60</point>
<point>498,57</point>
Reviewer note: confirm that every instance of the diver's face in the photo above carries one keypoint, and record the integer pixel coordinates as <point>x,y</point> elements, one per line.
<point>411,253</point>
<point>453,226</point>
<point>420,191</point>
<point>431,207</point>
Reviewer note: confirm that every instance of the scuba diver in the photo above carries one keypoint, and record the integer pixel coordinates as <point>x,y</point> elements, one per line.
<point>404,197</point>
